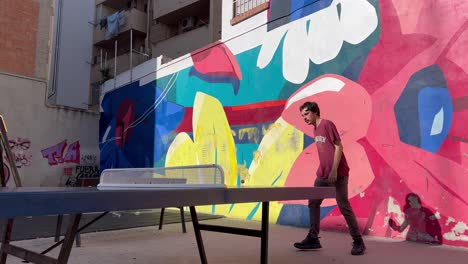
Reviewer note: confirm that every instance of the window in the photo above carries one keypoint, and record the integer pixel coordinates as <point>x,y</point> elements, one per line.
<point>243,9</point>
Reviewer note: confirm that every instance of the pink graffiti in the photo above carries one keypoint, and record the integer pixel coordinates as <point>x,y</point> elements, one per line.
<point>20,159</point>
<point>73,153</point>
<point>383,165</point>
<point>216,63</point>
<point>422,223</point>
<point>216,60</point>
<point>18,146</point>
<point>54,154</point>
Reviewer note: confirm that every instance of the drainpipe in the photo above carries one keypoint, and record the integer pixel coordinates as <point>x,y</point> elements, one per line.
<point>131,54</point>
<point>57,49</point>
<point>148,12</point>
<point>115,64</point>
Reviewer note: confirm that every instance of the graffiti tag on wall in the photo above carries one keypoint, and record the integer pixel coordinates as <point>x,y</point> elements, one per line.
<point>89,159</point>
<point>87,172</point>
<point>19,148</point>
<point>55,154</point>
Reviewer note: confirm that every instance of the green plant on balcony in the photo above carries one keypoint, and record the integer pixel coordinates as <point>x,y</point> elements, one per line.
<point>105,74</point>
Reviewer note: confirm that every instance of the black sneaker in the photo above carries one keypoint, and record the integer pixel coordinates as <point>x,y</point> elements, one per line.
<point>358,247</point>
<point>308,243</point>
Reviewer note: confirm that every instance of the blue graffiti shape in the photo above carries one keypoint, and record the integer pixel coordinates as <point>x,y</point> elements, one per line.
<point>435,117</point>
<point>168,117</point>
<point>353,71</point>
<point>146,131</point>
<point>424,110</point>
<point>298,214</point>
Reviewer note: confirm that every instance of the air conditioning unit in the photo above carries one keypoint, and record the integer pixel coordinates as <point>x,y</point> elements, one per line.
<point>187,23</point>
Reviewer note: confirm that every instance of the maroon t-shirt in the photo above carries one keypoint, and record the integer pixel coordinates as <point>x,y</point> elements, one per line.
<point>325,136</point>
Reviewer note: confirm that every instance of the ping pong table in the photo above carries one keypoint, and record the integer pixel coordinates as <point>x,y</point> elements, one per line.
<point>39,201</point>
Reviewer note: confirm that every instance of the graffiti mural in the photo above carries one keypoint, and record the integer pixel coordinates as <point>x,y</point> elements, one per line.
<point>130,134</point>
<point>391,74</point>
<point>423,223</point>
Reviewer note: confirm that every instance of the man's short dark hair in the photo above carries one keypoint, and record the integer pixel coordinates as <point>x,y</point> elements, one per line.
<point>310,106</point>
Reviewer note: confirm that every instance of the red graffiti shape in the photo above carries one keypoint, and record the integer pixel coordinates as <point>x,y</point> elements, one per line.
<point>216,60</point>
<point>125,118</point>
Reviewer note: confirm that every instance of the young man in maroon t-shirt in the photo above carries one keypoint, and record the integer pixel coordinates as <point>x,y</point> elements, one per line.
<point>332,171</point>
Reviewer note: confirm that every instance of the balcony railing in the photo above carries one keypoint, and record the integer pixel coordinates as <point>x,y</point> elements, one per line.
<point>98,70</point>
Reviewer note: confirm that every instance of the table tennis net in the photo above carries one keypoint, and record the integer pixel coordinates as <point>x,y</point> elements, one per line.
<point>167,177</point>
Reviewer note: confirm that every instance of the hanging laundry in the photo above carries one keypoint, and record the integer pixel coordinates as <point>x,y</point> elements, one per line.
<point>114,23</point>
<point>121,18</point>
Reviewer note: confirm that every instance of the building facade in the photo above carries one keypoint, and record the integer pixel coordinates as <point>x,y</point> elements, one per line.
<point>51,142</point>
<point>53,63</point>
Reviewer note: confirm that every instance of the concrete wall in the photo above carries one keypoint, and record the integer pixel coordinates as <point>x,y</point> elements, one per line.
<point>391,75</point>
<point>215,19</point>
<point>47,142</point>
<point>41,161</point>
<point>163,7</point>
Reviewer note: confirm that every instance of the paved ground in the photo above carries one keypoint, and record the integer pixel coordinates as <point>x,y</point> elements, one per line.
<point>44,226</point>
<point>147,245</point>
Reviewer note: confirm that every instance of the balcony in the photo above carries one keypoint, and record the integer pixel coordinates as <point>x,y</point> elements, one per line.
<point>116,4</point>
<point>184,43</point>
<point>134,19</point>
<point>123,64</point>
<point>165,7</point>
<point>171,12</point>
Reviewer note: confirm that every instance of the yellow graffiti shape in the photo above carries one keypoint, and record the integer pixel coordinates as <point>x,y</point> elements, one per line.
<point>272,162</point>
<point>276,154</point>
<point>253,135</point>
<point>214,143</point>
<point>181,152</point>
<point>243,172</point>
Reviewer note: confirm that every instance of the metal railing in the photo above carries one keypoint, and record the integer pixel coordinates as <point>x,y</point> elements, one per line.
<point>242,6</point>
<point>109,70</point>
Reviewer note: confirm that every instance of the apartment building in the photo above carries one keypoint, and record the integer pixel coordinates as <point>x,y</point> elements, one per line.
<point>130,32</point>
